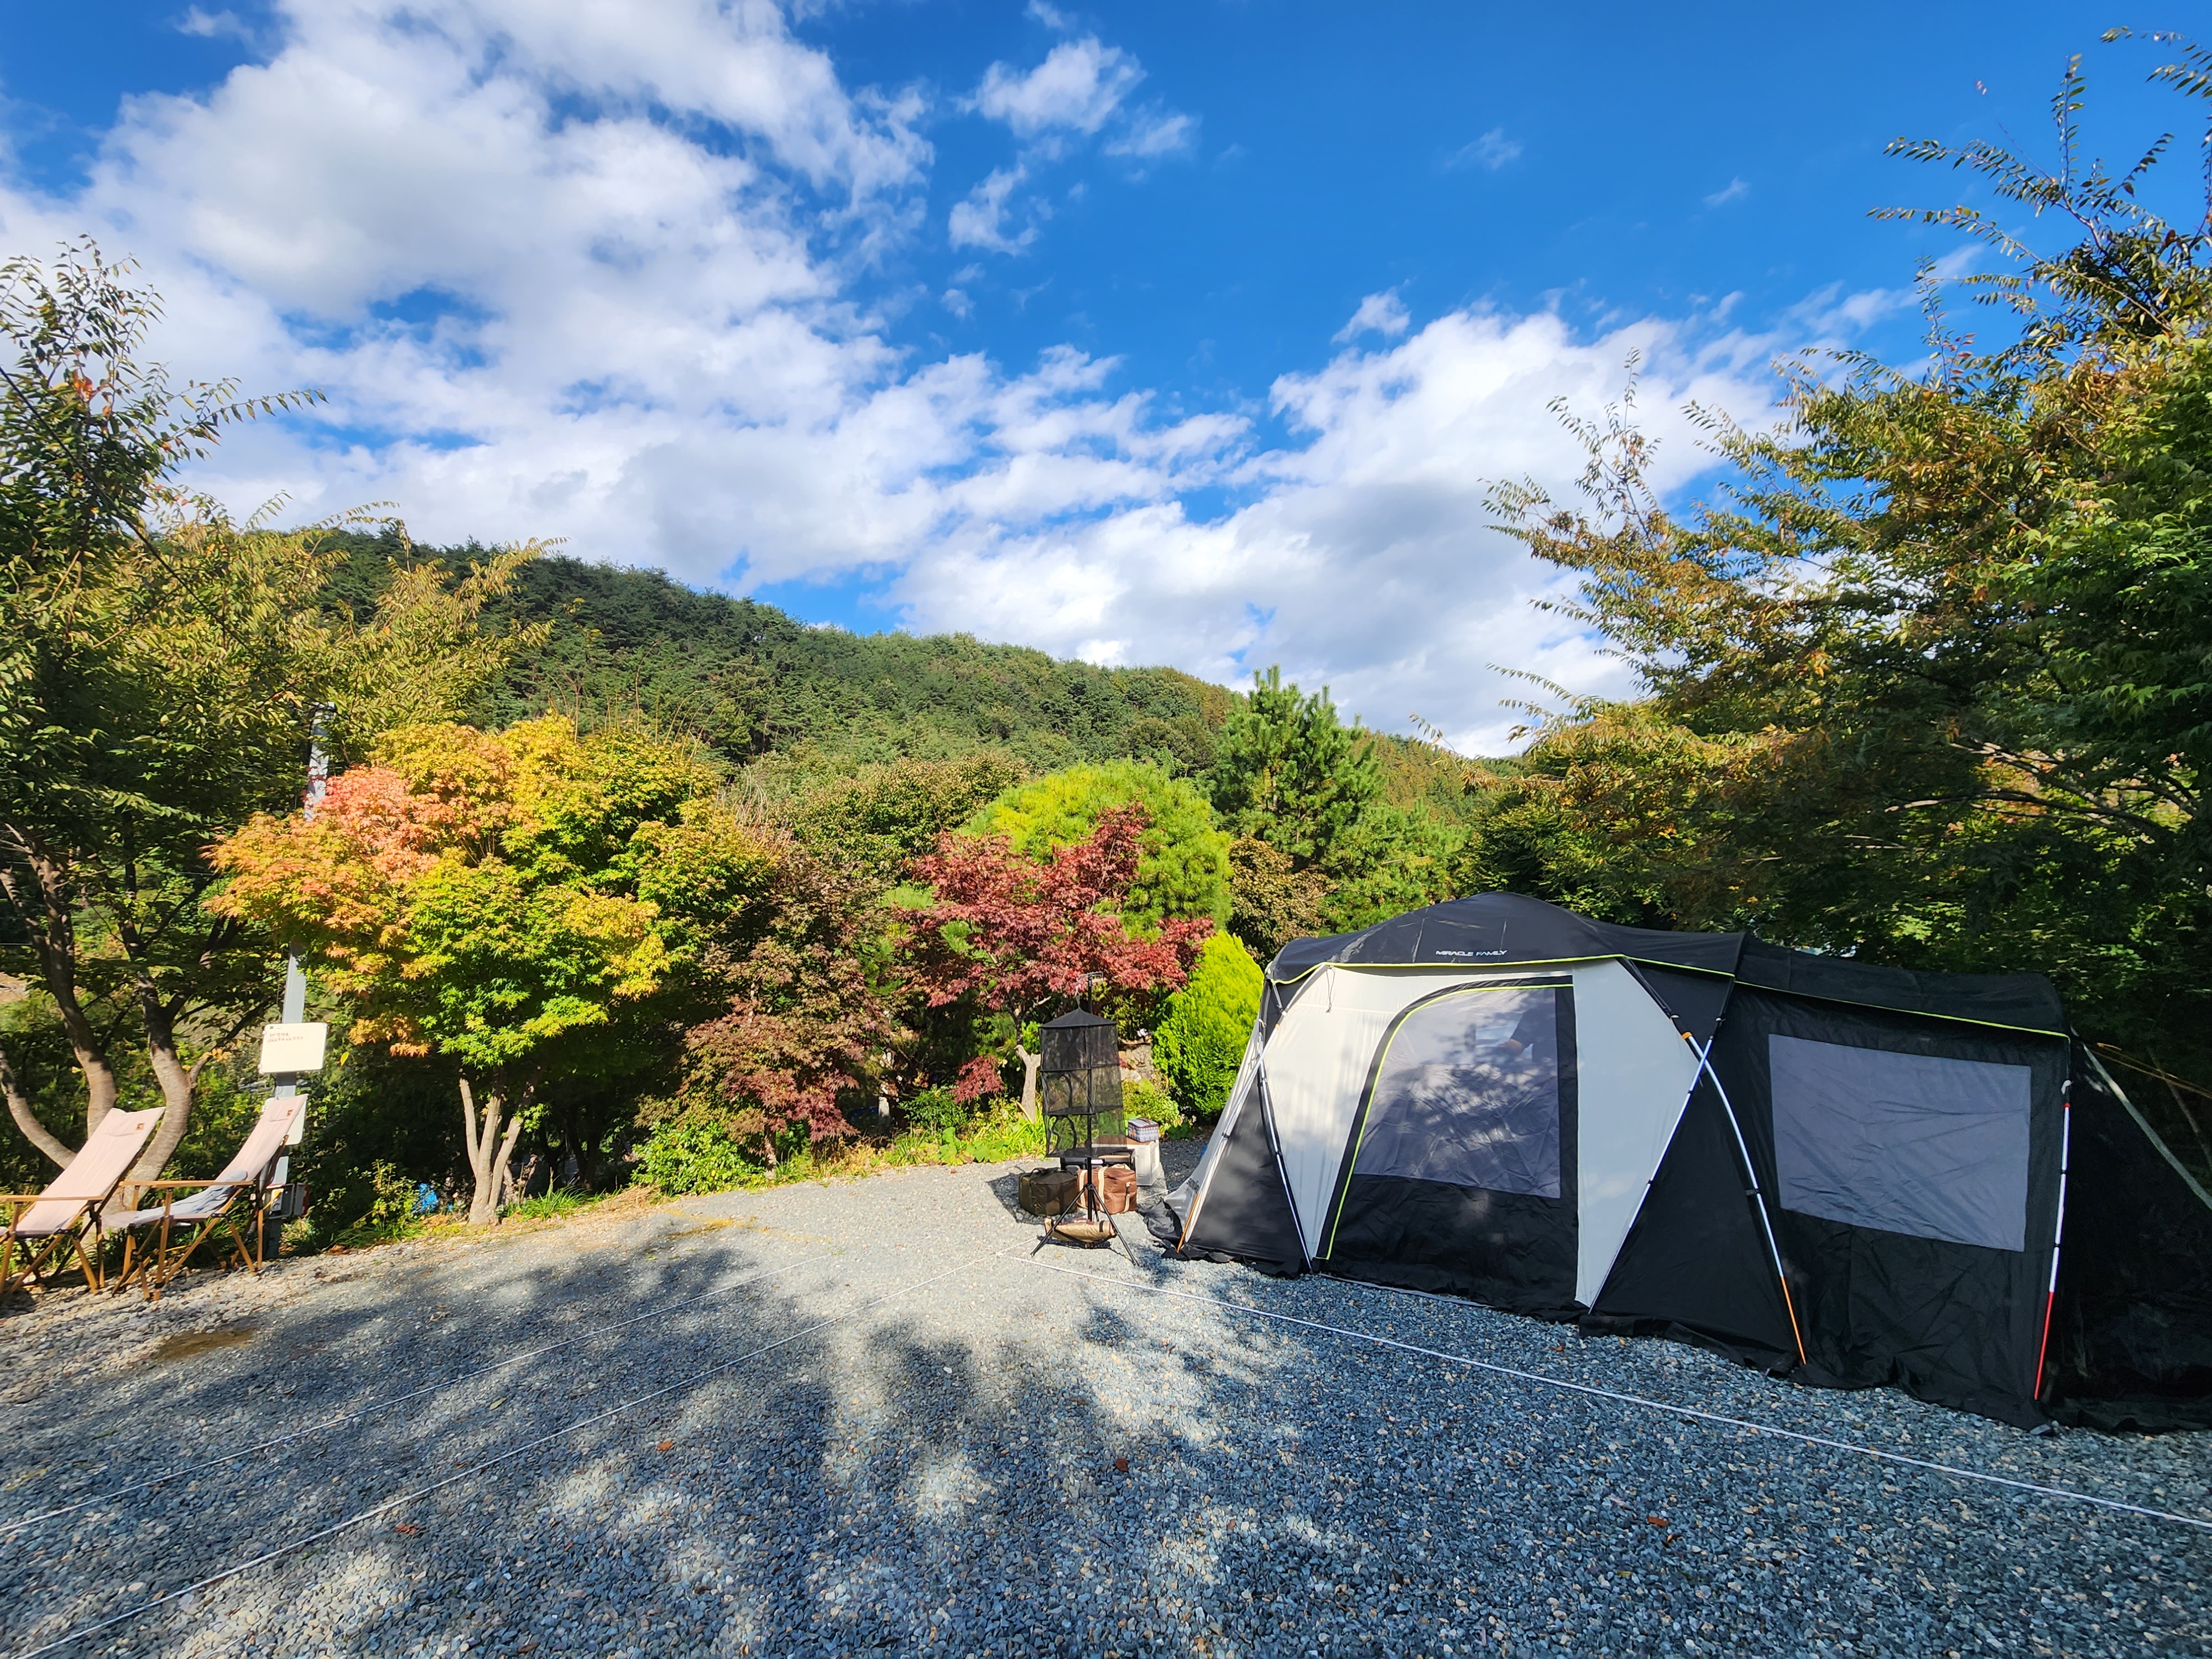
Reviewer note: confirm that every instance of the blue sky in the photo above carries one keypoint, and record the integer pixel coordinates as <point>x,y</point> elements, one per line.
<point>1181,333</point>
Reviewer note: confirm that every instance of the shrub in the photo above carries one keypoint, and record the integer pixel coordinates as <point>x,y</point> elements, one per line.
<point>559,1202</point>
<point>1201,1044</point>
<point>1143,1099</point>
<point>695,1155</point>
<point>1005,1134</point>
<point>938,1110</point>
<point>1182,858</point>
<point>389,1197</point>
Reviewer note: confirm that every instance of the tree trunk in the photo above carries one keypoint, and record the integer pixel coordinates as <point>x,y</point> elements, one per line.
<point>176,1080</point>
<point>489,1150</point>
<point>47,917</point>
<point>1029,1063</point>
<point>19,1108</point>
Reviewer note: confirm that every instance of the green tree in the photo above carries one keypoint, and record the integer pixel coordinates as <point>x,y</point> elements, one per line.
<point>1182,862</point>
<point>1287,772</point>
<point>160,668</point>
<point>1930,681</point>
<point>524,904</point>
<point>1201,1044</point>
<point>1392,859</point>
<point>877,821</point>
<point>1272,901</point>
<point>1289,775</point>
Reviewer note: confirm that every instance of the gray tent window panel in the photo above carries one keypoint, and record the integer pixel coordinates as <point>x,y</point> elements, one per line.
<point>1902,1143</point>
<point>1468,1093</point>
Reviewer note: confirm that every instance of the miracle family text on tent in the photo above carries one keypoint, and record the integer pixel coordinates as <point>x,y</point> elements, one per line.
<point>1854,1175</point>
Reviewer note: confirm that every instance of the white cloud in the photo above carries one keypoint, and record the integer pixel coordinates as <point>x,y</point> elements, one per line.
<point>211,24</point>
<point>1078,88</point>
<point>1155,132</point>
<point>576,273</point>
<point>1078,93</point>
<point>1490,152</point>
<point>981,221</point>
<point>1735,190</point>
<point>1365,556</point>
<point>1380,313</point>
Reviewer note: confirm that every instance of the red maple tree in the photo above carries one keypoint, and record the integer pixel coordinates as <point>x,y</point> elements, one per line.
<point>1021,936</point>
<point>802,1025</point>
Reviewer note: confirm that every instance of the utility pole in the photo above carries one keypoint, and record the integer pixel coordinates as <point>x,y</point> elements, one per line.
<point>295,1000</point>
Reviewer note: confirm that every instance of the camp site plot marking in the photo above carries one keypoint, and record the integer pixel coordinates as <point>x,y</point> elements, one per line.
<point>1596,1393</point>
<point>70,1637</point>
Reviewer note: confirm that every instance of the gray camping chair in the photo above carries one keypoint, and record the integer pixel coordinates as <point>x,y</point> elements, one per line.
<point>191,1211</point>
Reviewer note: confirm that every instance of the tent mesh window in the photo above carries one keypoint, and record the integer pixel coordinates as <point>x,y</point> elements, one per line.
<point>1079,1081</point>
<point>1913,1144</point>
<point>1468,1094</point>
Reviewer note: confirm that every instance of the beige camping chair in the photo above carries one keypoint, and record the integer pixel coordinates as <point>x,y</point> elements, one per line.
<point>60,1219</point>
<point>190,1211</point>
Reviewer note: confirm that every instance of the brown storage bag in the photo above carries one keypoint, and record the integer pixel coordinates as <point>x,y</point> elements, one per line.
<point>1117,1189</point>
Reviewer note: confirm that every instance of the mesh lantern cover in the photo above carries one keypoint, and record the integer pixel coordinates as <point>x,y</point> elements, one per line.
<point>1079,1065</point>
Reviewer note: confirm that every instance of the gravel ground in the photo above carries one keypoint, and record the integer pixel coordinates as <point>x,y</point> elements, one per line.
<point>880,1416</point>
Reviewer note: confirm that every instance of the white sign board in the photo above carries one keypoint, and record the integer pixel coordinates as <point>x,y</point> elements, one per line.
<point>298,1132</point>
<point>290,1048</point>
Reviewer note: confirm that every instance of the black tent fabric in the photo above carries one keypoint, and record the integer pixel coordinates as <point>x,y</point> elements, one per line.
<point>1913,1167</point>
<point>1494,928</point>
<point>1692,1000</point>
<point>2025,1002</point>
<point>2132,1330</point>
<point>1246,1214</point>
<point>1695,1266</point>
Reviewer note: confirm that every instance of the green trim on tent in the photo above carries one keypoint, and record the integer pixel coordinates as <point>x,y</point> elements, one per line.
<point>1892,1008</point>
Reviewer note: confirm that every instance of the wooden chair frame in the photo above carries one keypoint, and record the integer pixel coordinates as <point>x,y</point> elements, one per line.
<point>103,1162</point>
<point>66,1239</point>
<point>155,1268</point>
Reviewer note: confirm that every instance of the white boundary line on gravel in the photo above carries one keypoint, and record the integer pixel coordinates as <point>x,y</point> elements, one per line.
<point>389,1504</point>
<point>183,1470</point>
<point>1639,1400</point>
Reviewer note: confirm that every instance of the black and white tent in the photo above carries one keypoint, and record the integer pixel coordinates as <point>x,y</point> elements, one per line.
<point>1856,1175</point>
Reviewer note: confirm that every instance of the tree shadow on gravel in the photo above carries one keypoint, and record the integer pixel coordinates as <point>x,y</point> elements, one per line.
<point>980,1458</point>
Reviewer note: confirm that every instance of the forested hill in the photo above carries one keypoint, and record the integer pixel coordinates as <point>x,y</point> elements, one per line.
<point>751,679</point>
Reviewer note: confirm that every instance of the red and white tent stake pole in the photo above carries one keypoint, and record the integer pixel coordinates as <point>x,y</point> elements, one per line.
<point>2058,1229</point>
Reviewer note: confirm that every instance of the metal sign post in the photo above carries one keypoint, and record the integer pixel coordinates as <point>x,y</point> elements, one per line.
<point>294,1048</point>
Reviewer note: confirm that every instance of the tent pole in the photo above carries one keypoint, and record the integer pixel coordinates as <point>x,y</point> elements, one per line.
<point>2057,1228</point>
<point>1757,1197</point>
<point>1282,1169</point>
